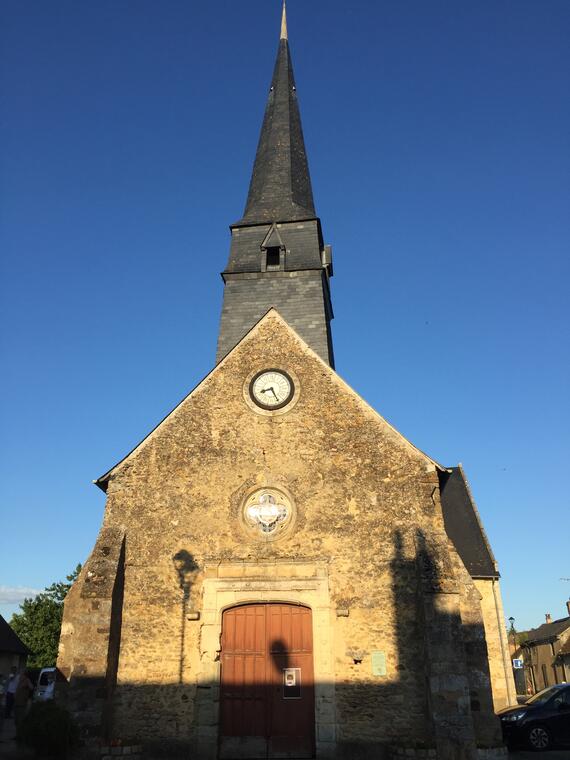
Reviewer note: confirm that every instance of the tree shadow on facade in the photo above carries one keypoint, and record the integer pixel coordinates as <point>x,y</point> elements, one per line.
<point>433,696</point>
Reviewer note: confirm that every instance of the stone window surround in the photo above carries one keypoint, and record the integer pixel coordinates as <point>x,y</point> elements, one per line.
<point>241,583</point>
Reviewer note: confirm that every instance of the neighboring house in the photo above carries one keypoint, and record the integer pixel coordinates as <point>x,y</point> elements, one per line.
<point>546,653</point>
<point>13,652</point>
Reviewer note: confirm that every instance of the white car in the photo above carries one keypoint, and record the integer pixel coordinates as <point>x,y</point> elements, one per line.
<point>45,688</point>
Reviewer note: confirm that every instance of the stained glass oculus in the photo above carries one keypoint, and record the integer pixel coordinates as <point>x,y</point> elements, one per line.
<point>267,512</point>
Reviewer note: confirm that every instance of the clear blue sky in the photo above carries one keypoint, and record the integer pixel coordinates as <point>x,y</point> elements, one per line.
<point>438,141</point>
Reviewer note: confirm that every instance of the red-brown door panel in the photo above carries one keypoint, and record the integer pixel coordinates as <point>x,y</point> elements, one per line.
<point>267,689</point>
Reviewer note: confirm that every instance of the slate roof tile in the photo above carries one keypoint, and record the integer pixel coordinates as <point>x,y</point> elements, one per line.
<point>463,525</point>
<point>547,631</point>
<point>280,188</point>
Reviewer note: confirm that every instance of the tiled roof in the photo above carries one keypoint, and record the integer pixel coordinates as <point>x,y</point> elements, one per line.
<point>547,631</point>
<point>9,641</point>
<point>463,525</point>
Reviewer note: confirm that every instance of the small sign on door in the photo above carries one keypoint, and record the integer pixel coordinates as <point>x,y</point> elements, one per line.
<point>291,683</point>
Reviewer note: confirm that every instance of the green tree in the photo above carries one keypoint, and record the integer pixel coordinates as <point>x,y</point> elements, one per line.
<point>39,622</point>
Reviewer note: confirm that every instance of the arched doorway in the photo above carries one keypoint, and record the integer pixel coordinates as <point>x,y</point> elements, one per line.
<point>267,702</point>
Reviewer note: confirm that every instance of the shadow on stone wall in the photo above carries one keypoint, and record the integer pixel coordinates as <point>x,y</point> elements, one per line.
<point>437,696</point>
<point>186,568</point>
<point>117,599</point>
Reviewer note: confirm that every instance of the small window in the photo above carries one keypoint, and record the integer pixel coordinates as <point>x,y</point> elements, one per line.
<point>273,258</point>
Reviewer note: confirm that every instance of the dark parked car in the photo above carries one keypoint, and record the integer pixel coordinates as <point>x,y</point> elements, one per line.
<point>542,722</point>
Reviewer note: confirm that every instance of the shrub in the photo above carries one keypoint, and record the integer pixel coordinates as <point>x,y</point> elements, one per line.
<point>49,729</point>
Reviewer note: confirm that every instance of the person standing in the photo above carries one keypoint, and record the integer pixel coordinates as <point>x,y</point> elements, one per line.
<point>11,687</point>
<point>22,699</point>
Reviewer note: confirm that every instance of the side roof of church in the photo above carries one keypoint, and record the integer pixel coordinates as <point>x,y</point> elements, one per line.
<point>463,524</point>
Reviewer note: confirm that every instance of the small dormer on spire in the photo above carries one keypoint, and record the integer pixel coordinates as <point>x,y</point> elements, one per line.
<point>284,23</point>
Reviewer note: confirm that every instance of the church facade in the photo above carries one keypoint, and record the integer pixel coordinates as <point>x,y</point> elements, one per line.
<point>280,573</point>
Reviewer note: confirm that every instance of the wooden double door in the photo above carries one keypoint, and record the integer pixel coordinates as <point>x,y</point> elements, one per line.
<point>267,701</point>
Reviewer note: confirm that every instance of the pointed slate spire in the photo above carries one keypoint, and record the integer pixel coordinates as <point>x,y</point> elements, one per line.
<point>280,188</point>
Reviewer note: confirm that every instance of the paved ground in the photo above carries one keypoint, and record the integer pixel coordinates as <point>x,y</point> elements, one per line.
<point>9,750</point>
<point>563,754</point>
<point>8,747</point>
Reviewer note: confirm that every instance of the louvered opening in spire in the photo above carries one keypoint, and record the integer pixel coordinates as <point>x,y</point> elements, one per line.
<point>280,188</point>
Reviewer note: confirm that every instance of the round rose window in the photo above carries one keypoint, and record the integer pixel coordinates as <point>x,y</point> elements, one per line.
<point>267,512</point>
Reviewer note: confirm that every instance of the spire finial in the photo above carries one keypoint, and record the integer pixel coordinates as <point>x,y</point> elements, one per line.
<point>284,23</point>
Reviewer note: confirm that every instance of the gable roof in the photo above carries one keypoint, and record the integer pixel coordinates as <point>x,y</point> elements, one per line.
<point>10,641</point>
<point>102,481</point>
<point>273,239</point>
<point>463,524</point>
<point>547,631</point>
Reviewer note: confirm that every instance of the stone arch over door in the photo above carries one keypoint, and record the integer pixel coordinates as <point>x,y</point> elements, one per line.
<point>230,585</point>
<point>267,699</point>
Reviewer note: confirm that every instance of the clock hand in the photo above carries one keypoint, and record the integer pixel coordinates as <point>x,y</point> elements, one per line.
<point>267,390</point>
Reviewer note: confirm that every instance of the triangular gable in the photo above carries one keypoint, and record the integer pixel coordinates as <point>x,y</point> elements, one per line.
<point>273,238</point>
<point>274,315</point>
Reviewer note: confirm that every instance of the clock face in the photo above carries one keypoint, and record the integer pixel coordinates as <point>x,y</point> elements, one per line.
<point>271,389</point>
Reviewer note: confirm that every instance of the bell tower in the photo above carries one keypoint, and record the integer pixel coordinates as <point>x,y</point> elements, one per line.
<point>277,254</point>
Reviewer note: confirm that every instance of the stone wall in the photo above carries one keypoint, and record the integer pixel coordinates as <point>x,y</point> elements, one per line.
<point>89,641</point>
<point>502,680</point>
<point>367,532</point>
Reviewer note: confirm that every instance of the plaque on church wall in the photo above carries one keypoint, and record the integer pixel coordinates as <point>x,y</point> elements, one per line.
<point>378,663</point>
